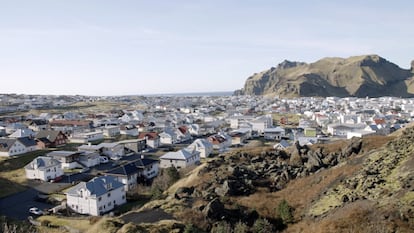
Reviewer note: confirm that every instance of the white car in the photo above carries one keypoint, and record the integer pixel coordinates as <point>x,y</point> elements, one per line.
<point>35,211</point>
<point>115,157</point>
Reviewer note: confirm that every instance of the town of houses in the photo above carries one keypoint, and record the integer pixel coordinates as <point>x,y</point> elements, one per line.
<point>117,149</point>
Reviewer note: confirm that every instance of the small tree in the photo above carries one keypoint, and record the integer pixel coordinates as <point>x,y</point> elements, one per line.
<point>189,228</point>
<point>241,227</point>
<point>221,227</point>
<point>262,225</point>
<point>173,175</point>
<point>285,212</point>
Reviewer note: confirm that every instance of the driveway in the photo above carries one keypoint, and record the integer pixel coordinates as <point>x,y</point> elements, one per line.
<point>17,206</point>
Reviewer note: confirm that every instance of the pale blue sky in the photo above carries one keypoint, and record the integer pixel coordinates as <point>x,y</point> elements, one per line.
<point>122,47</point>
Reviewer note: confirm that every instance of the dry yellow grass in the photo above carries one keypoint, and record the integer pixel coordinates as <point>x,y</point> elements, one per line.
<point>81,224</point>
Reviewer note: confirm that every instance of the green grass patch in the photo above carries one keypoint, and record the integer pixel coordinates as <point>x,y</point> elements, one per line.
<point>133,204</point>
<point>19,161</point>
<point>12,175</point>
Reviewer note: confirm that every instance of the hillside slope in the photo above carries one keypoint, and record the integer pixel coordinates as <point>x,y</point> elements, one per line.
<point>358,185</point>
<point>360,76</point>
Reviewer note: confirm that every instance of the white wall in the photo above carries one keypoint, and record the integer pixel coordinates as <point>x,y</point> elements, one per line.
<point>96,206</point>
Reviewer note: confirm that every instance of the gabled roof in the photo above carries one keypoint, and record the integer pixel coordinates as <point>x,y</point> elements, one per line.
<point>148,135</point>
<point>51,135</point>
<point>145,162</point>
<point>183,129</point>
<point>98,186</point>
<point>201,143</point>
<point>125,170</point>
<point>38,122</point>
<point>22,133</point>
<point>27,141</point>
<point>177,155</point>
<point>6,143</point>
<point>42,162</point>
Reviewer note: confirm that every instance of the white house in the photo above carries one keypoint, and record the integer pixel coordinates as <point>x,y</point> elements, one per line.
<point>179,159</point>
<point>97,196</point>
<point>148,168</point>
<point>21,133</point>
<point>203,146</point>
<point>275,133</point>
<point>87,137</point>
<point>111,131</point>
<point>194,129</point>
<point>152,139</point>
<point>67,159</point>
<point>127,174</point>
<point>43,168</point>
<point>89,159</point>
<point>343,129</point>
<point>13,146</point>
<point>282,145</point>
<point>113,149</point>
<point>259,124</point>
<point>131,130</point>
<point>168,137</point>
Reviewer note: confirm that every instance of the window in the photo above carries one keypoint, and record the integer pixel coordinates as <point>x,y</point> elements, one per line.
<point>123,197</point>
<point>109,203</point>
<point>100,199</point>
<point>109,194</point>
<point>100,207</point>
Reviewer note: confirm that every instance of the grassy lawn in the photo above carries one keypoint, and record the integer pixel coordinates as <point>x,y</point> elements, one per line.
<point>12,174</point>
<point>81,224</point>
<point>290,118</point>
<point>131,205</point>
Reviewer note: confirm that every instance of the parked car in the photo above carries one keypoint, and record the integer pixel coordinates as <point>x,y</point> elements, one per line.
<point>57,179</point>
<point>35,211</point>
<point>115,157</point>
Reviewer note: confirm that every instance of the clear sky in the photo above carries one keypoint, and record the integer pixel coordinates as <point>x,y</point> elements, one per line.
<point>121,47</point>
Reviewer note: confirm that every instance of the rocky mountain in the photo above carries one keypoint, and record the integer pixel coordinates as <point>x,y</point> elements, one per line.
<point>360,76</point>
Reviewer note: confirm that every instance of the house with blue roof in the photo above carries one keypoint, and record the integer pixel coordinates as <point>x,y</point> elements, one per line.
<point>97,196</point>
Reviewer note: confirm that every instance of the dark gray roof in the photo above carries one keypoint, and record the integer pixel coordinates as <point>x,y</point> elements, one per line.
<point>125,170</point>
<point>51,135</point>
<point>27,141</point>
<point>98,186</point>
<point>145,162</point>
<point>38,122</point>
<point>6,143</point>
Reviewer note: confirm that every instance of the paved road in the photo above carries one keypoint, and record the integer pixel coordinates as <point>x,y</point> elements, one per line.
<point>17,205</point>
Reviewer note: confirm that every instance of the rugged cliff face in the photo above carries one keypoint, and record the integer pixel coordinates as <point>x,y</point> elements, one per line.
<point>360,76</point>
